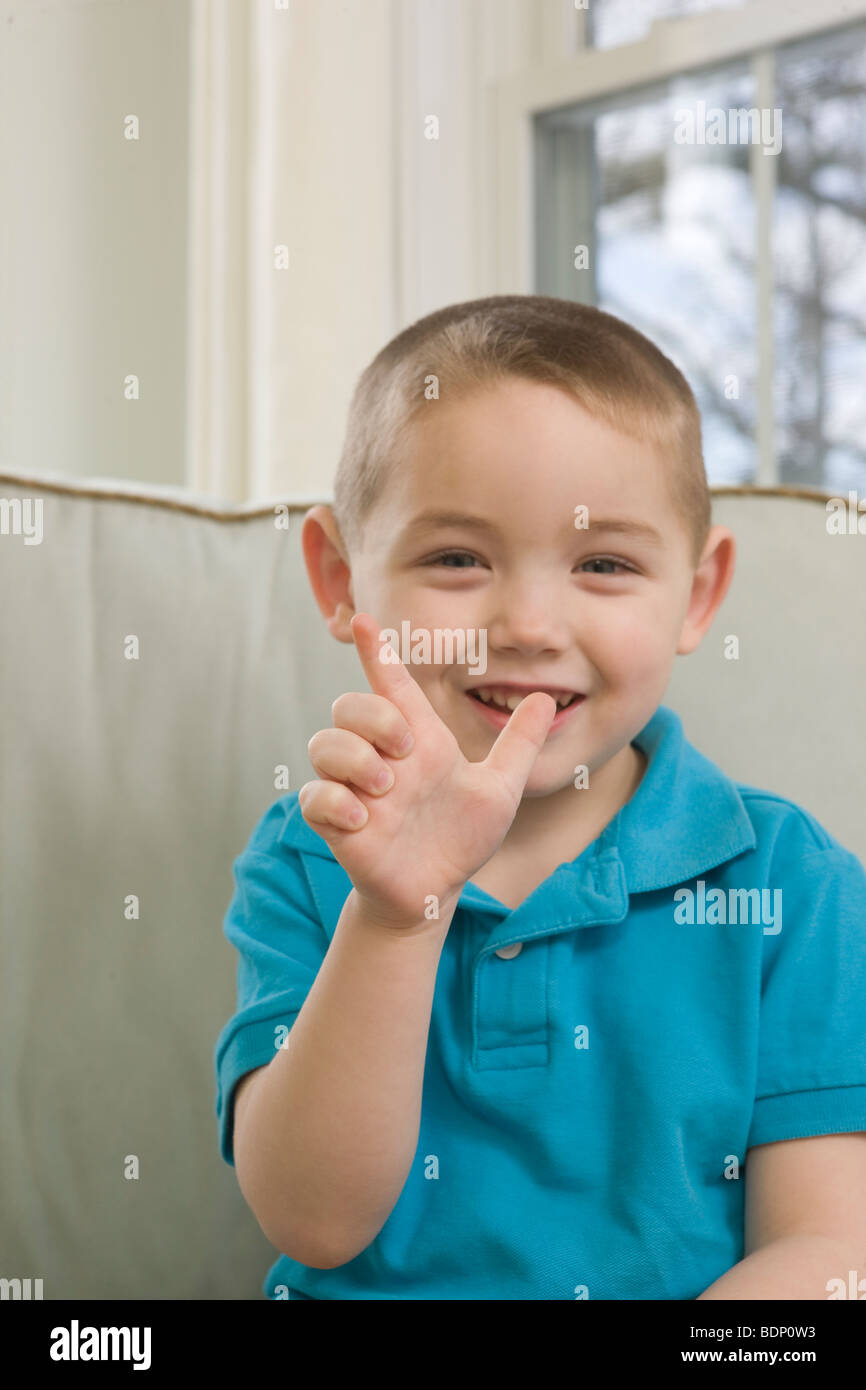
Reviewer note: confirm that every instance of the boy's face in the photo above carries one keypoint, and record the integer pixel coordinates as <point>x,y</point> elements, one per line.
<point>598,611</point>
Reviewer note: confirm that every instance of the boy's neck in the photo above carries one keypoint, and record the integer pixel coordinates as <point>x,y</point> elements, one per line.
<point>575,816</point>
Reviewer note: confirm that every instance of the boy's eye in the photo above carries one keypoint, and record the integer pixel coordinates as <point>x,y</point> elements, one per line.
<point>606,560</point>
<point>450,554</point>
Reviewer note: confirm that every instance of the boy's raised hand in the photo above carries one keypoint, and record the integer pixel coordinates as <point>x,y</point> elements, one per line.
<point>442,818</point>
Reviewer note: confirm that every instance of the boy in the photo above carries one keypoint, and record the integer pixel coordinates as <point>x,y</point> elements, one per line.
<point>483,1052</point>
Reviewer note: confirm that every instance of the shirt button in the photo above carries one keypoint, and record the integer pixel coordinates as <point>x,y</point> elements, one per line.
<point>508,952</point>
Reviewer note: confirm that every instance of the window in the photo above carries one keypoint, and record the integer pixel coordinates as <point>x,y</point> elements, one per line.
<point>612,22</point>
<point>819,239</point>
<point>735,241</point>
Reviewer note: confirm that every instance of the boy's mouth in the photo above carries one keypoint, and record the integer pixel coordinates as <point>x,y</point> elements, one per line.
<point>497,703</point>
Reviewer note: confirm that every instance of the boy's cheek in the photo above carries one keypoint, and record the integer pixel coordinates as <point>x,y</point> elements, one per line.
<point>640,640</point>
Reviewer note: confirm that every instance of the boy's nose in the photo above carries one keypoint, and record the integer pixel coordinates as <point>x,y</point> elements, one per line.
<point>530,623</point>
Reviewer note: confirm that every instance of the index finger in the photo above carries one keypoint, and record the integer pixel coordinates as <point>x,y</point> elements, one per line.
<point>389,678</point>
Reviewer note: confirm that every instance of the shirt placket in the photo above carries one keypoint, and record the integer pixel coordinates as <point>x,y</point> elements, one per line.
<point>510,972</point>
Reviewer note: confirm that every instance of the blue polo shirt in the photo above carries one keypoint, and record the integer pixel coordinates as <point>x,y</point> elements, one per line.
<point>691,985</point>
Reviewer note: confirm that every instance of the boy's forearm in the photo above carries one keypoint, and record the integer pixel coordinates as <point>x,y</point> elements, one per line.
<point>793,1267</point>
<point>332,1124</point>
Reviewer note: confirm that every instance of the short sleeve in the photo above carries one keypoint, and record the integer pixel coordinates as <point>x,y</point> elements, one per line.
<point>811,1076</point>
<point>273,924</point>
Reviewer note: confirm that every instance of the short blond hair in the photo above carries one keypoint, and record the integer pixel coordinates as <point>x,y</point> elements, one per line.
<point>608,367</point>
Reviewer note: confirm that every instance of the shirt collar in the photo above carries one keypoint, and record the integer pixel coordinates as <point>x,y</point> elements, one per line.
<point>685,818</point>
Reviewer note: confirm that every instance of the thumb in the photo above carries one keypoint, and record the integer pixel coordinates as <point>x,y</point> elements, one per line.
<point>520,742</point>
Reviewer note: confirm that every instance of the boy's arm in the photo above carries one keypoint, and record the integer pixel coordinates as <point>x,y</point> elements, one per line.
<point>243,1091</point>
<point>805,1221</point>
<point>327,1131</point>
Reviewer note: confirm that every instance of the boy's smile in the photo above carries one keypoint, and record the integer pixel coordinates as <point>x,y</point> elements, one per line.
<point>475,529</point>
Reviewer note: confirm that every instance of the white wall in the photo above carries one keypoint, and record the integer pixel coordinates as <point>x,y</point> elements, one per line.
<point>92,236</point>
<point>262,124</point>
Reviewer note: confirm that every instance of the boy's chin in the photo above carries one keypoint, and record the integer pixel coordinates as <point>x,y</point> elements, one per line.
<point>541,782</point>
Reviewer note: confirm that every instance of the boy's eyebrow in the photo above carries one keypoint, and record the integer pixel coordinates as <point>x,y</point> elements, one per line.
<point>426,520</point>
<point>640,530</point>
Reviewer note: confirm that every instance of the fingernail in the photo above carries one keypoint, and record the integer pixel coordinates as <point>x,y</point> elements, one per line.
<point>385,779</point>
<point>406,744</point>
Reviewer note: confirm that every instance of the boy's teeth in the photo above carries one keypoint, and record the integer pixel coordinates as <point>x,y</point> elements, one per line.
<point>512,701</point>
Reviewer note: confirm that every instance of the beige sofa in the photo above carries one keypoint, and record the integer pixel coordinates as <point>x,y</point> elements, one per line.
<point>145,777</point>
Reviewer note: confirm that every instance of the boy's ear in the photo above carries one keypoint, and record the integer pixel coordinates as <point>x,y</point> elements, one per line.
<point>711,582</point>
<point>327,564</point>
